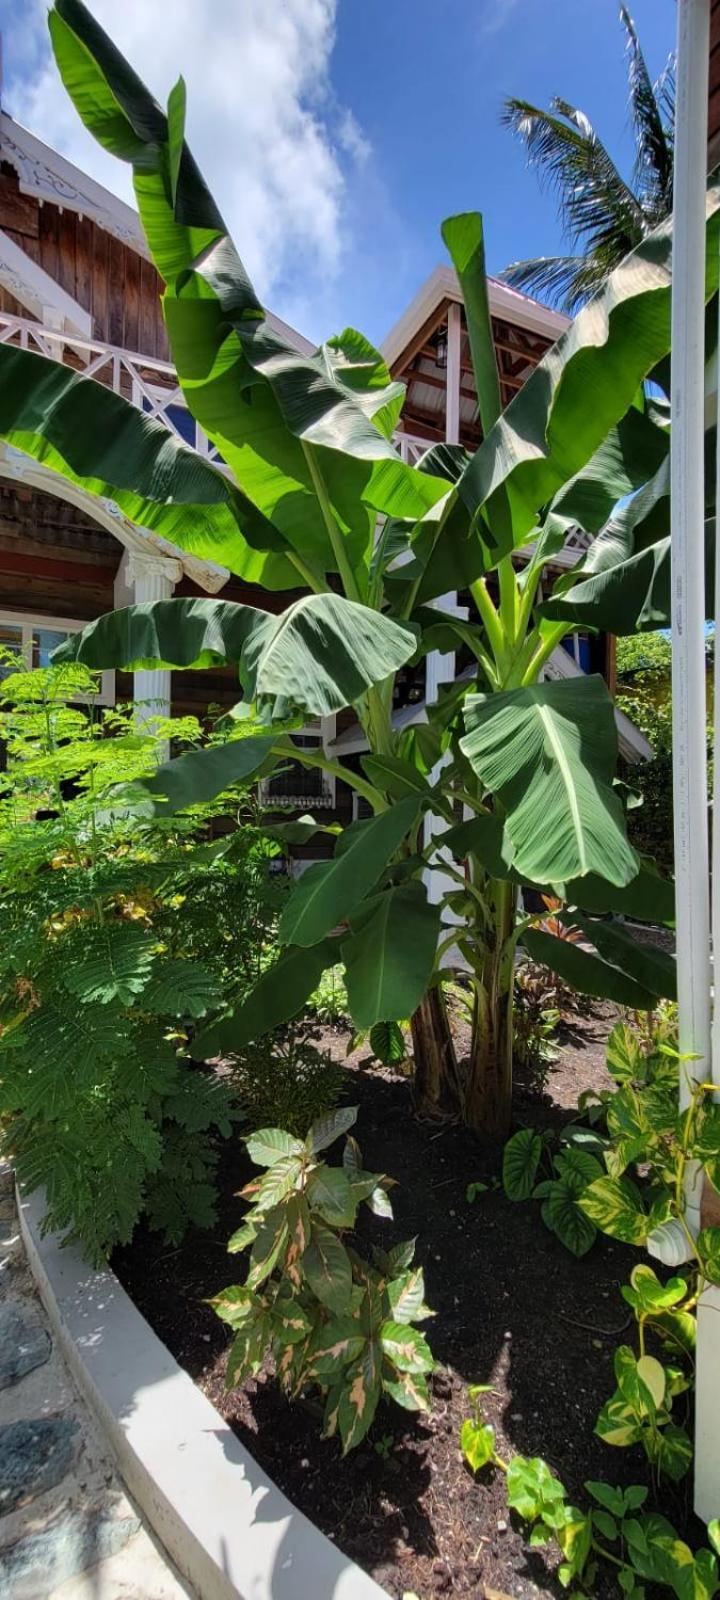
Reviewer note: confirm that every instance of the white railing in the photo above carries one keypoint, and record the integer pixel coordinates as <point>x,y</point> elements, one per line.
<point>411,447</point>
<point>149,383</point>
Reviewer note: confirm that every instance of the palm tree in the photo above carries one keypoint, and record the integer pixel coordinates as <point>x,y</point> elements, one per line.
<point>602,215</point>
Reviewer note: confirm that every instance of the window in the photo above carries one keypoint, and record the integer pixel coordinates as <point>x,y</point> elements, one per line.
<point>297,786</point>
<point>168,406</point>
<point>33,638</point>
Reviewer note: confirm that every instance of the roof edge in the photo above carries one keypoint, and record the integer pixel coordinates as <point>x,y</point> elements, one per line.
<point>443,284</point>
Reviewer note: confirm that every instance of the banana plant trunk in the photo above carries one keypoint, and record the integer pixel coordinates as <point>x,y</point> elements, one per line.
<point>435,1076</point>
<point>488,1089</point>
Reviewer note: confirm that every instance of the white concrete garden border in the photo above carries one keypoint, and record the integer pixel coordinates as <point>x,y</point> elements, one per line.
<point>223,1522</point>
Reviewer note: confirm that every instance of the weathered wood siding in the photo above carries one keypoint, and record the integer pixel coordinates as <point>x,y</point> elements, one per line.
<point>119,288</point>
<point>714,101</point>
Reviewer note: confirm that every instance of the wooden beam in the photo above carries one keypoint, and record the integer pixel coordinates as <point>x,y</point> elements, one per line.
<point>416,376</point>
<point>428,329</point>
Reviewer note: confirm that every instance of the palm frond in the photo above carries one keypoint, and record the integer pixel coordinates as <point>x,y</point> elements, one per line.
<point>596,207</point>
<point>565,282</point>
<point>653,160</point>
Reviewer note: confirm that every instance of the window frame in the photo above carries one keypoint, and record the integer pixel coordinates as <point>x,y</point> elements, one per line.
<point>30,622</point>
<point>327,800</point>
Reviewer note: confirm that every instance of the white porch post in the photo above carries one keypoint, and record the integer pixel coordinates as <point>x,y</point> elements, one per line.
<point>690,794</point>
<point>440,665</point>
<point>152,578</point>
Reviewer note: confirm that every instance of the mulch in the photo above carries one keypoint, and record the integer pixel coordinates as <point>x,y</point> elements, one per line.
<point>514,1309</point>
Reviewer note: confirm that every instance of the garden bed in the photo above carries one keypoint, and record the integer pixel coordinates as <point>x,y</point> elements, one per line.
<point>513,1308</point>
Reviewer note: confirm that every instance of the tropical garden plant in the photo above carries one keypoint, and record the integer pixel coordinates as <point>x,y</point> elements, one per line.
<point>114,941</point>
<point>314,493</point>
<point>330,1319</point>
<point>651,1151</point>
<point>603,215</point>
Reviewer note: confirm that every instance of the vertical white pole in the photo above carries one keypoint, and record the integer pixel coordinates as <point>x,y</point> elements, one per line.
<point>688,672</point>
<point>707,1370</point>
<point>453,374</point>
<point>688,558</point>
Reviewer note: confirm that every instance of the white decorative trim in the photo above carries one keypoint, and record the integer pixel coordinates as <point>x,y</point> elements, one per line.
<point>46,175</point>
<point>16,467</point>
<point>143,566</point>
<point>230,1531</point>
<point>38,292</point>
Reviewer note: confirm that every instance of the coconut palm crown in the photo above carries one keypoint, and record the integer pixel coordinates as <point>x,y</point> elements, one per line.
<point>602,215</point>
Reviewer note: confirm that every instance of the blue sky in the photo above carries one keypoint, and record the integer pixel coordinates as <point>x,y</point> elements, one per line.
<point>339,133</point>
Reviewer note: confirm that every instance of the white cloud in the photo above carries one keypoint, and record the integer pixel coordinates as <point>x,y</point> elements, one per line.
<point>262,121</point>
<point>495,13</point>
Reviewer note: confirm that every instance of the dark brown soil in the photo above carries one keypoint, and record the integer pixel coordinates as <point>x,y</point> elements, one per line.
<point>513,1309</point>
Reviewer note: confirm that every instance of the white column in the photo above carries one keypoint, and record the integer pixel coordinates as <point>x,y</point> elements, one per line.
<point>453,374</point>
<point>440,665</point>
<point>690,796</point>
<point>152,578</point>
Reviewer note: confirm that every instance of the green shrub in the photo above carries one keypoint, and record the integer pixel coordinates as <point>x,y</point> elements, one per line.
<point>114,941</point>
<point>285,1080</point>
<point>328,1319</point>
<point>329,1002</point>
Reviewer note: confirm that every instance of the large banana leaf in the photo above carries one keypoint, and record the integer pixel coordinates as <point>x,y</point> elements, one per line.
<point>199,775</point>
<point>91,436</point>
<point>447,554</point>
<point>463,235</point>
<point>630,454</point>
<point>390,954</point>
<point>585,383</point>
<point>618,974</point>
<point>319,655</point>
<point>548,754</point>
<point>331,890</point>
<point>305,435</point>
<point>279,994</point>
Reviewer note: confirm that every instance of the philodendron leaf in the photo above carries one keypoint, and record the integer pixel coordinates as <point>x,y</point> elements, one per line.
<point>279,994</point>
<point>615,1206</point>
<point>331,890</point>
<point>521,1158</point>
<point>390,954</point>
<point>548,753</point>
<point>318,656</point>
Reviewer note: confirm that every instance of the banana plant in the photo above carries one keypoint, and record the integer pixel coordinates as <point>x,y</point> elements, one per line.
<point>314,494</point>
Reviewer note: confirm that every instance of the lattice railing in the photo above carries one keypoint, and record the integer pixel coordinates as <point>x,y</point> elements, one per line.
<point>149,383</point>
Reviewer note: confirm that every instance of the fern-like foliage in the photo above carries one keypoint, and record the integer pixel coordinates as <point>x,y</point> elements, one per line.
<point>115,937</point>
<point>110,961</point>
